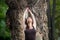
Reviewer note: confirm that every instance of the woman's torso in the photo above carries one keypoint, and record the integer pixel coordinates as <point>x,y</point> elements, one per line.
<point>30,34</point>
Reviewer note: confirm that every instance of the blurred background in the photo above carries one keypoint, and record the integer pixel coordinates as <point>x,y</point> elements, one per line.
<point>5,32</point>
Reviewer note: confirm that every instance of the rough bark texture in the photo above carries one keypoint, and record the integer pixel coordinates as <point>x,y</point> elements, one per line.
<point>15,15</point>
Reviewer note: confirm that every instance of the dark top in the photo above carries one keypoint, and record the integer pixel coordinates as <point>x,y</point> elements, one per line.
<point>30,34</point>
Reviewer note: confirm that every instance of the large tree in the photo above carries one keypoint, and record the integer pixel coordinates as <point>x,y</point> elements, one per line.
<point>15,17</point>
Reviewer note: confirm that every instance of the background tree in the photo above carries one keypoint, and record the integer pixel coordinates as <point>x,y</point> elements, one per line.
<point>15,16</point>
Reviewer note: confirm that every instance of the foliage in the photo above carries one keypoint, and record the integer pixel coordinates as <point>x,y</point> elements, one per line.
<point>4,31</point>
<point>57,18</point>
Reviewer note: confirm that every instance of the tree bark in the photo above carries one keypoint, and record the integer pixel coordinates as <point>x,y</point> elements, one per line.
<point>15,15</point>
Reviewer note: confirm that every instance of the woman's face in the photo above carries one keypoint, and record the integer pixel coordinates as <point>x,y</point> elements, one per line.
<point>29,21</point>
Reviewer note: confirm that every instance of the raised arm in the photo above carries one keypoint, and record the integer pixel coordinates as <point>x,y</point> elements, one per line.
<point>33,17</point>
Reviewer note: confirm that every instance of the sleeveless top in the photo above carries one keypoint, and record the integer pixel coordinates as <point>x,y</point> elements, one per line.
<point>30,34</point>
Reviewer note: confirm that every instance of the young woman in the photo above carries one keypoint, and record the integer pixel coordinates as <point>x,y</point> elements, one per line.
<point>30,32</point>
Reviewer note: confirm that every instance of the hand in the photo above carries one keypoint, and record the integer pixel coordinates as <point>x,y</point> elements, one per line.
<point>27,8</point>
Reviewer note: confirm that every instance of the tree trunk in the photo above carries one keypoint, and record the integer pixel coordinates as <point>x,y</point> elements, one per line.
<point>15,15</point>
<point>53,19</point>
